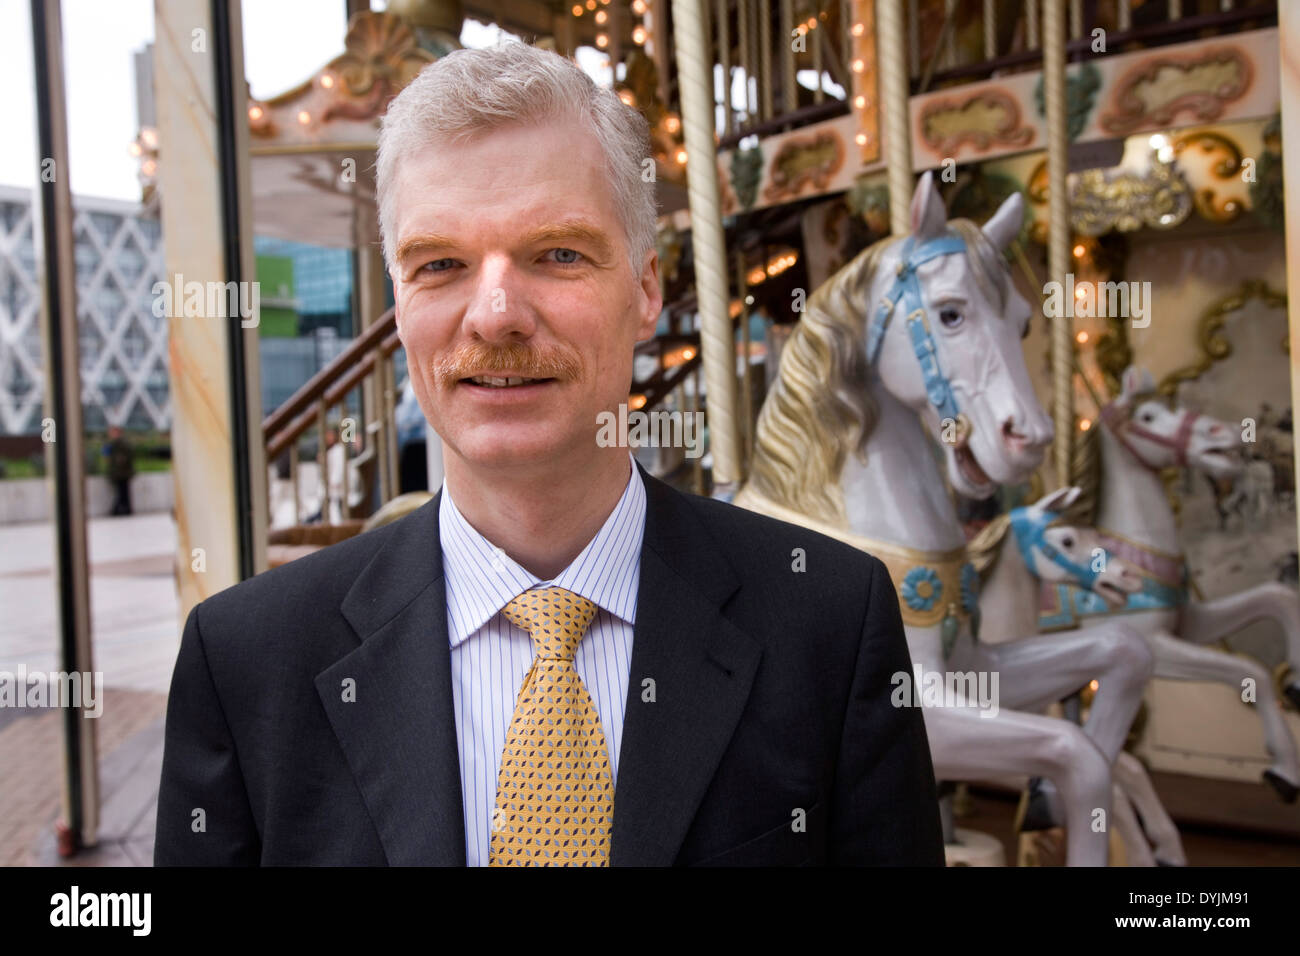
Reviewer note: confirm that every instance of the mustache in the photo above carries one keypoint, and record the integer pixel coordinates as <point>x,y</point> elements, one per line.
<point>555,360</point>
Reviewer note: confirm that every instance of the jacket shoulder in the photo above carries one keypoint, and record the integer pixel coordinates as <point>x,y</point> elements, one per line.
<point>734,527</point>
<point>303,588</point>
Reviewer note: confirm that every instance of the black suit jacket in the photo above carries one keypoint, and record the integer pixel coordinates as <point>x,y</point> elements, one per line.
<point>770,738</point>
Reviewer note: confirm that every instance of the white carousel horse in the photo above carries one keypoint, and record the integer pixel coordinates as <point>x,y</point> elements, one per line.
<point>839,449</point>
<point>1139,435</point>
<point>1015,554</point>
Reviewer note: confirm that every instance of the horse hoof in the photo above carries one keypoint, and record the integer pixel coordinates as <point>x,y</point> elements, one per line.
<point>1285,788</point>
<point>1038,810</point>
<point>1292,692</point>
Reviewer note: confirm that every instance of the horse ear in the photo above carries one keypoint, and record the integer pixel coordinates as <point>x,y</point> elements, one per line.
<point>929,217</point>
<point>1058,500</point>
<point>1004,225</point>
<point>1136,381</point>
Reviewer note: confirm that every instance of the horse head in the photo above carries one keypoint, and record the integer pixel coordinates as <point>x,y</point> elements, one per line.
<point>1160,437</point>
<point>1067,554</point>
<point>945,330</point>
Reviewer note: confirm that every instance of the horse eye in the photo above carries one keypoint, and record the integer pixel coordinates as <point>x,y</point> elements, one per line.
<point>1148,417</point>
<point>1068,541</point>
<point>950,316</point>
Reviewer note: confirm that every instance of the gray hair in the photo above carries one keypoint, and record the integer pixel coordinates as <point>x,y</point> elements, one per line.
<point>469,92</point>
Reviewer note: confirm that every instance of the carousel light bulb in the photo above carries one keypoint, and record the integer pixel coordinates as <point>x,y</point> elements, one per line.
<point>672,124</point>
<point>134,149</point>
<point>304,117</point>
<point>861,139</point>
<point>688,354</point>
<point>1079,251</point>
<point>602,41</point>
<point>858,29</point>
<point>636,401</point>
<point>601,16</point>
<point>638,35</point>
<point>255,112</point>
<point>638,7</point>
<point>149,167</point>
<point>577,10</point>
<point>859,66</point>
<point>591,4</point>
<point>150,137</point>
<point>1082,338</point>
<point>327,81</point>
<point>627,97</point>
<point>1084,425</point>
<point>860,102</point>
<point>681,157</point>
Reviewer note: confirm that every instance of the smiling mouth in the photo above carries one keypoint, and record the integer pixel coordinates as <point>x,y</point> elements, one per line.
<point>970,468</point>
<point>493,381</point>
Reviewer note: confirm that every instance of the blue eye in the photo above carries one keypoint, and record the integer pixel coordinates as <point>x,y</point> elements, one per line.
<point>565,261</point>
<point>428,265</point>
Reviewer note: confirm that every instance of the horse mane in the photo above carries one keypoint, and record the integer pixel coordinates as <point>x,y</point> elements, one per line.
<point>983,549</point>
<point>820,407</point>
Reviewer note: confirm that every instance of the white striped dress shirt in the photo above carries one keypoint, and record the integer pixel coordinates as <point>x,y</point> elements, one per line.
<point>490,656</point>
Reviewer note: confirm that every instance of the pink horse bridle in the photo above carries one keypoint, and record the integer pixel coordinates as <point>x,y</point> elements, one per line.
<point>1123,425</point>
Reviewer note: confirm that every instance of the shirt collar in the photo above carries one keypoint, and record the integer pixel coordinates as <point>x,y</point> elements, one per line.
<point>481,579</point>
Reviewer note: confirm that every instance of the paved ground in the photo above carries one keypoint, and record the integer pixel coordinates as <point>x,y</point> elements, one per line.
<point>136,632</point>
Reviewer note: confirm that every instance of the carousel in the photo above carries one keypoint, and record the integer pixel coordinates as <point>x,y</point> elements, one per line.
<point>1014,319</point>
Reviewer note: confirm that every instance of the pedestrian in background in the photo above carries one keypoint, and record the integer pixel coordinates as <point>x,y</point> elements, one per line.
<point>121,469</point>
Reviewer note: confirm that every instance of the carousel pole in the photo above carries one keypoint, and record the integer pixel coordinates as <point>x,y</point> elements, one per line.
<point>1288,33</point>
<point>1058,230</point>
<point>717,341</point>
<point>62,426</point>
<point>891,49</point>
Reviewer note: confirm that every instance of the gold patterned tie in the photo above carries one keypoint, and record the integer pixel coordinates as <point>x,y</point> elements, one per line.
<point>555,793</point>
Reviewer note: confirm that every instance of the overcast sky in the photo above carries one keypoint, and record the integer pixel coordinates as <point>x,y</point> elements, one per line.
<point>285,41</point>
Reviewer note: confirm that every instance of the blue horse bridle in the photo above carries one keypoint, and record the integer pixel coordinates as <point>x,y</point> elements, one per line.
<point>906,291</point>
<point>1030,529</point>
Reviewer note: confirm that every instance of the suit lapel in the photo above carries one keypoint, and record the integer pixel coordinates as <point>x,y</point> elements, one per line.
<point>399,734</point>
<point>701,666</point>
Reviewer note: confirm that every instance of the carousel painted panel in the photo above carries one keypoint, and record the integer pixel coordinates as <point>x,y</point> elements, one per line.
<point>1204,81</point>
<point>1212,81</point>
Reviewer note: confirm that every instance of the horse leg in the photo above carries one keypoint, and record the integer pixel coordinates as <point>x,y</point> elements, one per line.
<point>1160,829</point>
<point>1204,622</point>
<point>1180,660</point>
<point>965,744</point>
<point>1037,671</point>
<point>1129,830</point>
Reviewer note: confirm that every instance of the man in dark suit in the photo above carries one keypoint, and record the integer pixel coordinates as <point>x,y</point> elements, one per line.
<point>560,659</point>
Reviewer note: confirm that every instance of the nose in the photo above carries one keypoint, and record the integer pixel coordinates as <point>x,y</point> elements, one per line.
<point>496,310</point>
<point>1021,431</point>
<point>1130,580</point>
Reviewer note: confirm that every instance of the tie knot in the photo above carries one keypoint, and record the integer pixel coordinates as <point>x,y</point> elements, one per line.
<point>556,618</point>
